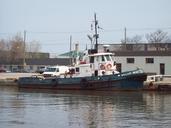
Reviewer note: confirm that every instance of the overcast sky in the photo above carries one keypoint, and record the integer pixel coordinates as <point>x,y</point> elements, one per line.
<point>51,22</point>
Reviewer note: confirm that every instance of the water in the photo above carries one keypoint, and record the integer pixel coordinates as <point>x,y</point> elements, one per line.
<point>78,109</point>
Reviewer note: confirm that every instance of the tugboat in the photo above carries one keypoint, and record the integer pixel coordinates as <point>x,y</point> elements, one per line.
<point>95,71</point>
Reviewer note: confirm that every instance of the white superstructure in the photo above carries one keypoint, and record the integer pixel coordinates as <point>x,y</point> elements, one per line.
<point>96,64</point>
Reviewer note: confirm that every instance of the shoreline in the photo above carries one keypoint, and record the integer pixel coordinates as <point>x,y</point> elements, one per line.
<point>10,79</point>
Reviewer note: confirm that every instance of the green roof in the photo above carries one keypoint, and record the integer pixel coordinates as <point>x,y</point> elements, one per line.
<point>73,54</point>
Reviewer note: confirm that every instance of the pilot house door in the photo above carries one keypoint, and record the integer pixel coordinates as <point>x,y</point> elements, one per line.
<point>119,67</point>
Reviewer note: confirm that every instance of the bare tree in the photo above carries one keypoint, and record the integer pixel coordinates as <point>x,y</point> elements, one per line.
<point>2,45</point>
<point>168,40</point>
<point>16,47</point>
<point>33,49</point>
<point>2,49</point>
<point>157,37</point>
<point>131,43</point>
<point>135,39</point>
<point>5,47</point>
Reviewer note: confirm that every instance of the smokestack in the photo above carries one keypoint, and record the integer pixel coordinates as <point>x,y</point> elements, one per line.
<point>77,47</point>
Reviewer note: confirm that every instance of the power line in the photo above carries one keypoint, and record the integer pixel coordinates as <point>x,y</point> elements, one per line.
<point>135,29</point>
<point>88,31</point>
<point>60,32</point>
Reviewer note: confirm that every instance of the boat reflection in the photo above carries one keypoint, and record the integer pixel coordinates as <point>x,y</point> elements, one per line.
<point>96,108</point>
<point>53,108</point>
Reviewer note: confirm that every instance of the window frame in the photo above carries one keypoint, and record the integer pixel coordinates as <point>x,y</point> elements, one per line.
<point>130,60</point>
<point>149,60</point>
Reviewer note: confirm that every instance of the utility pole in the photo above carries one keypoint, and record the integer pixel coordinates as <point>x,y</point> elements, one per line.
<point>96,34</point>
<point>125,35</point>
<point>70,41</point>
<point>24,46</point>
<point>125,39</point>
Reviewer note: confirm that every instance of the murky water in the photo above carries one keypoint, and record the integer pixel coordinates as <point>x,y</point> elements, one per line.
<point>78,109</point>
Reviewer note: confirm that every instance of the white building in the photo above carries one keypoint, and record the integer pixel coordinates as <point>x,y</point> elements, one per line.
<point>152,58</point>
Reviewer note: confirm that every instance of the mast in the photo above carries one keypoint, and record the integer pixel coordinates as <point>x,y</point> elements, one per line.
<point>96,35</point>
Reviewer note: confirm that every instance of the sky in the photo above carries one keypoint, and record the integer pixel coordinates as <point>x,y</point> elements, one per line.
<point>52,22</point>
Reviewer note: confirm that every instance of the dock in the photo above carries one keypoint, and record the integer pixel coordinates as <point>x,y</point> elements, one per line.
<point>11,78</point>
<point>158,82</point>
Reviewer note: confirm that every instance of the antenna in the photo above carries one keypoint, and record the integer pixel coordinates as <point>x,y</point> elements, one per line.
<point>91,39</point>
<point>96,35</point>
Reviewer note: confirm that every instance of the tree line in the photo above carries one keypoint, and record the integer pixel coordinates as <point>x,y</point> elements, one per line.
<point>158,36</point>
<point>16,48</point>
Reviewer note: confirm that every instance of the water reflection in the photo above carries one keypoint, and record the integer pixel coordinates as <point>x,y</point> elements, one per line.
<point>44,108</point>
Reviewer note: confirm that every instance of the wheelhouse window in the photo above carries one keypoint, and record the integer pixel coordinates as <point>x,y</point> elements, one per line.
<point>149,60</point>
<point>92,59</point>
<point>108,58</point>
<point>103,59</point>
<point>97,58</point>
<point>77,69</point>
<point>130,60</point>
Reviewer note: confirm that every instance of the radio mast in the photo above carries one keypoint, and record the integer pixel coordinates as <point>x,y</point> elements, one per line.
<point>96,35</point>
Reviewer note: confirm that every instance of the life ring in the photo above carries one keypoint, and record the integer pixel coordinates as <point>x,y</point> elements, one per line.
<point>102,67</point>
<point>108,66</point>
